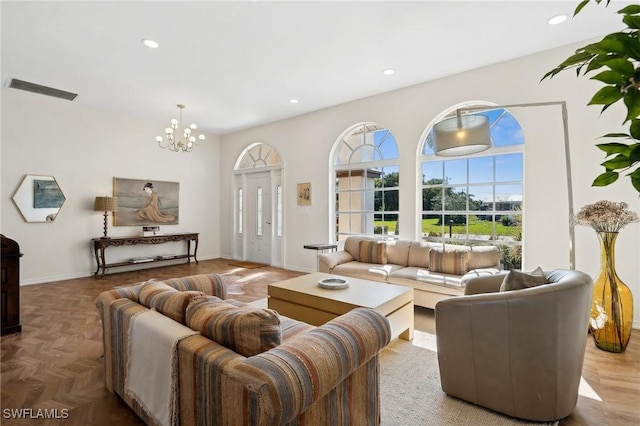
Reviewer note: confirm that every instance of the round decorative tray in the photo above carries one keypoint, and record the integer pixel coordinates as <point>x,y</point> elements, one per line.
<point>333,283</point>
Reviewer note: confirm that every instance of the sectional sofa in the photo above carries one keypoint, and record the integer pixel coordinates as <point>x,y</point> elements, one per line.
<point>178,353</point>
<point>435,271</point>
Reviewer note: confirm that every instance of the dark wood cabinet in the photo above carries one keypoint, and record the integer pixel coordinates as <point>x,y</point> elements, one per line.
<point>10,286</point>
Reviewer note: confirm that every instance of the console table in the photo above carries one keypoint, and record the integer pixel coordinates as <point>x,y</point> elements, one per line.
<point>101,244</point>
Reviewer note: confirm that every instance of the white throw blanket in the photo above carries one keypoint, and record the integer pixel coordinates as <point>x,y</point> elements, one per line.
<point>150,380</point>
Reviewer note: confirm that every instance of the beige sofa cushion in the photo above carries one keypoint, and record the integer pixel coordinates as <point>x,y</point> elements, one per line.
<point>367,271</point>
<point>413,273</point>
<point>449,261</point>
<point>484,257</point>
<point>352,246</point>
<point>398,252</point>
<point>406,276</point>
<point>419,254</point>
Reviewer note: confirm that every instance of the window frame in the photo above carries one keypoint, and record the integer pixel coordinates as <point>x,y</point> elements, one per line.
<point>508,244</point>
<point>347,165</point>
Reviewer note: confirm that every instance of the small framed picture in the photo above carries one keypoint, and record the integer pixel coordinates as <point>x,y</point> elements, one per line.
<point>304,194</point>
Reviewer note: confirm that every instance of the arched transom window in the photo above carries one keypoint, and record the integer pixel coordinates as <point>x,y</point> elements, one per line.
<point>258,155</point>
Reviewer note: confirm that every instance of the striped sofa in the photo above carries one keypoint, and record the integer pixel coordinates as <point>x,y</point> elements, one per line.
<point>435,271</point>
<point>291,374</point>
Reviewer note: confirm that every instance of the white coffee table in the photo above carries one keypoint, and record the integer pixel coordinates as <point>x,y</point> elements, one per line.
<point>301,298</point>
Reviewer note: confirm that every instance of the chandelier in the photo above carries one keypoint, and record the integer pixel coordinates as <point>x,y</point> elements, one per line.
<point>175,142</point>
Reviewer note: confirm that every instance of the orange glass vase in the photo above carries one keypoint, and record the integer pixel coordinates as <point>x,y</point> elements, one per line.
<point>612,308</point>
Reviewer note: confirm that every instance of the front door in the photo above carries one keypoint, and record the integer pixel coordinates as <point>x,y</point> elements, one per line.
<point>259,229</point>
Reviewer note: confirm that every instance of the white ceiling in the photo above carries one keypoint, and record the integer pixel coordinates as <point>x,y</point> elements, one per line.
<point>236,64</point>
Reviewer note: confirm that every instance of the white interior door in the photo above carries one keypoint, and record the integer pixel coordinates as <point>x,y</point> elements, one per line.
<point>259,229</point>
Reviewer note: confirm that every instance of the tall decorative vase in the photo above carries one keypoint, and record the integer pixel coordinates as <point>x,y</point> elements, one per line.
<point>612,308</point>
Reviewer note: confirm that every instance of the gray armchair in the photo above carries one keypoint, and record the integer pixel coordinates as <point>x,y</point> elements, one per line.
<point>517,352</point>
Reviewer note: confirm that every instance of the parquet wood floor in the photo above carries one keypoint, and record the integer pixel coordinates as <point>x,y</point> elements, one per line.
<point>55,363</point>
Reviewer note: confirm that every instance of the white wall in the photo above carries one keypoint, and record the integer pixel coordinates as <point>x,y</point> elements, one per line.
<point>305,144</point>
<point>84,149</point>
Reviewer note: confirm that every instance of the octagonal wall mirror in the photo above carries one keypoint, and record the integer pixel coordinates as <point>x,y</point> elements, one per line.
<point>39,198</point>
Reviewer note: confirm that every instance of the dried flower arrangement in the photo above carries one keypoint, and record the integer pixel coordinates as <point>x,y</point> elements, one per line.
<point>606,216</point>
<point>611,316</point>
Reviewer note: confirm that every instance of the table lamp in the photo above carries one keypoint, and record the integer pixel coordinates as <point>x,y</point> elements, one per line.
<point>106,205</point>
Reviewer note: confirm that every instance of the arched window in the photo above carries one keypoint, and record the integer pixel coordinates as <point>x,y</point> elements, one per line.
<point>367,179</point>
<point>478,198</point>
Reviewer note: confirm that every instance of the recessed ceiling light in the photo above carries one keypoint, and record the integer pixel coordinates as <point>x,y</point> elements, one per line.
<point>558,19</point>
<point>150,43</point>
<point>293,101</point>
<point>389,71</point>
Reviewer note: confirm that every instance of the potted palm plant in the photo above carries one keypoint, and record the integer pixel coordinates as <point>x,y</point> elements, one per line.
<point>615,62</point>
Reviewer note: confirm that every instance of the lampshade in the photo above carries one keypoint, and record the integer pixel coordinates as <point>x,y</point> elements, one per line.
<point>106,204</point>
<point>461,135</point>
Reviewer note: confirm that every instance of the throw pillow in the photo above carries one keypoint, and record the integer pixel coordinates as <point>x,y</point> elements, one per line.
<point>246,329</point>
<point>209,283</point>
<point>372,251</point>
<point>167,300</point>
<point>516,280</point>
<point>151,288</point>
<point>448,261</point>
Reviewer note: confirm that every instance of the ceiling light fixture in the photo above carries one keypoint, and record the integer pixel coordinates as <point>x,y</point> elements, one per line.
<point>389,71</point>
<point>175,142</point>
<point>558,19</point>
<point>150,43</point>
<point>293,101</point>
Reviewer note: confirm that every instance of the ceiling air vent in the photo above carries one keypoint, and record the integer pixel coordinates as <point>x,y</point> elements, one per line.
<point>43,90</point>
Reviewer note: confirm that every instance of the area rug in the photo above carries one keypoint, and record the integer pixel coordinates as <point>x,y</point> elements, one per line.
<point>410,392</point>
<point>247,265</point>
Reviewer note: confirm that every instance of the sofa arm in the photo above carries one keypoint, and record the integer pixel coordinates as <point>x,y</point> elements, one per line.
<point>328,261</point>
<point>283,382</point>
<point>210,284</point>
<point>105,298</point>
